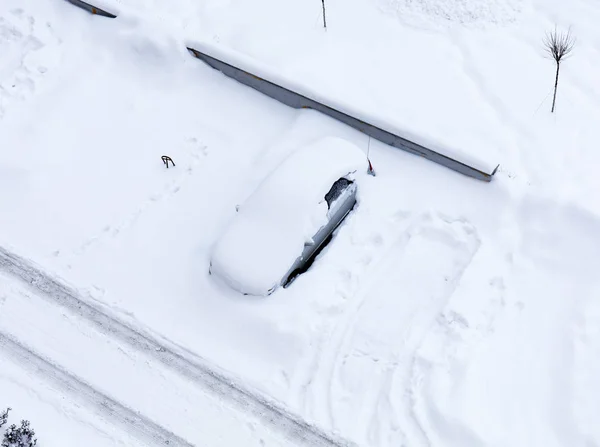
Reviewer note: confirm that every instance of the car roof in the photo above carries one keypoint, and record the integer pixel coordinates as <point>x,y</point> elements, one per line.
<point>305,177</point>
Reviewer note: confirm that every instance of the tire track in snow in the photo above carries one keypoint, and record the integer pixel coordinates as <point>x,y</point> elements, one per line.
<point>147,431</point>
<point>452,245</point>
<point>368,246</point>
<point>195,369</point>
<point>421,270</point>
<point>134,379</point>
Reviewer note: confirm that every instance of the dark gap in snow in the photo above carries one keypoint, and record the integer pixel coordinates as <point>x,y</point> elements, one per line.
<point>308,263</point>
<point>336,190</point>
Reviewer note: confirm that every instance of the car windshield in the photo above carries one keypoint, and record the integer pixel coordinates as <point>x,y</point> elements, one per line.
<point>336,190</point>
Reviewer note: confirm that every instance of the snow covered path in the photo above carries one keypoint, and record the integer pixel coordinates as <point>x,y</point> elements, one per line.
<point>134,368</point>
<point>71,421</point>
<point>146,431</point>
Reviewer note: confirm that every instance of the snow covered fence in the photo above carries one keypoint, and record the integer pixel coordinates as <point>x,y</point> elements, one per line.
<point>291,96</point>
<point>91,8</point>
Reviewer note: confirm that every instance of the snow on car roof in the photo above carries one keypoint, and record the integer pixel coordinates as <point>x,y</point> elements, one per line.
<point>288,207</point>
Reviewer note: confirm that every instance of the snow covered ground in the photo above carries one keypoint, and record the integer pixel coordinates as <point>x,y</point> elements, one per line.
<point>65,419</point>
<point>446,312</point>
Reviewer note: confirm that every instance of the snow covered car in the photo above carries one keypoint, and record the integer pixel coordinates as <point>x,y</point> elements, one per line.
<point>291,215</point>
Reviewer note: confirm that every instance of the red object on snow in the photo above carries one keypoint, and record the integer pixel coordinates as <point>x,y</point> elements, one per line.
<point>370,171</point>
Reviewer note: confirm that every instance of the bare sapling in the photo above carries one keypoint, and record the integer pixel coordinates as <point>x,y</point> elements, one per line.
<point>559,46</point>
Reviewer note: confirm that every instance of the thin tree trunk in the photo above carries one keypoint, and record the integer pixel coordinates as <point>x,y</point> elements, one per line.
<point>555,86</point>
<point>324,19</point>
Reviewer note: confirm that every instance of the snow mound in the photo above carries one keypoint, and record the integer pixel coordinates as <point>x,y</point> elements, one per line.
<point>285,211</point>
<point>449,12</point>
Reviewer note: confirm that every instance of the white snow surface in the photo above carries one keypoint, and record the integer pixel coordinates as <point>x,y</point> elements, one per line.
<point>473,156</point>
<point>269,231</point>
<point>446,312</point>
<point>47,410</point>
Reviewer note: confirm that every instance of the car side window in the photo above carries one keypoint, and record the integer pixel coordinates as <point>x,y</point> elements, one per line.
<point>336,190</point>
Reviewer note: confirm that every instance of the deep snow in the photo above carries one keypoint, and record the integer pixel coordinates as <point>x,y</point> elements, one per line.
<point>447,312</point>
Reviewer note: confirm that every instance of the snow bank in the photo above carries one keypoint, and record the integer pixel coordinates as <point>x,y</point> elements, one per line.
<point>454,12</point>
<point>464,155</point>
<point>109,6</point>
<point>284,212</point>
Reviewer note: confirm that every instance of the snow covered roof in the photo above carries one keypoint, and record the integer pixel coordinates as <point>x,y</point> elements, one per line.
<point>286,210</point>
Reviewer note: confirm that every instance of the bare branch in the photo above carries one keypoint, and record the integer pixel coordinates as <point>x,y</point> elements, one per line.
<point>559,45</point>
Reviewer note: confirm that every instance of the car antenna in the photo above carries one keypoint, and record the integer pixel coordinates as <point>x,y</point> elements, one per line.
<point>370,170</point>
